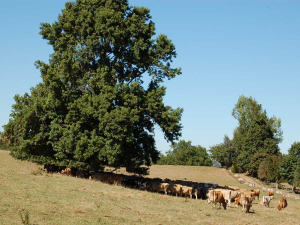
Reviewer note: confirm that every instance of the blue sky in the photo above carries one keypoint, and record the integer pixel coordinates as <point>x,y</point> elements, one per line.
<point>225,49</point>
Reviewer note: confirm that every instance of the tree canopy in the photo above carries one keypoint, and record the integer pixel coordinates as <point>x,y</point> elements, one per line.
<point>256,136</point>
<point>184,153</point>
<point>92,109</point>
<point>224,153</point>
<point>289,167</point>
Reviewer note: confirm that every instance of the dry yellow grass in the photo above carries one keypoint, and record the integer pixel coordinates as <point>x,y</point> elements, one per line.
<point>56,199</point>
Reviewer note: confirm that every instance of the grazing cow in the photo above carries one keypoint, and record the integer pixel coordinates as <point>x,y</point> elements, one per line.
<point>158,187</point>
<point>66,172</point>
<point>216,197</point>
<point>282,203</point>
<point>256,193</point>
<point>175,189</point>
<point>270,193</point>
<point>189,191</point>
<point>244,201</point>
<point>226,194</point>
<point>266,200</point>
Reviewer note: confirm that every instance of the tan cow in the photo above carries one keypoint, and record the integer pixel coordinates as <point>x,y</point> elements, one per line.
<point>256,192</point>
<point>66,172</point>
<point>250,194</point>
<point>158,187</point>
<point>216,197</point>
<point>244,201</point>
<point>282,203</point>
<point>270,193</point>
<point>189,191</point>
<point>175,189</point>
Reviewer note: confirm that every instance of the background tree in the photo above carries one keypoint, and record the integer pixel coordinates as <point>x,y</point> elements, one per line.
<point>224,153</point>
<point>289,167</point>
<point>92,109</point>
<point>269,168</point>
<point>184,153</point>
<point>256,133</point>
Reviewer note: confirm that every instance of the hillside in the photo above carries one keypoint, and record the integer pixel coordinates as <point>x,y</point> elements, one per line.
<point>55,199</point>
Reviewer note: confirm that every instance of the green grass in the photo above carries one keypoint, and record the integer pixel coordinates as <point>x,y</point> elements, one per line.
<point>55,199</point>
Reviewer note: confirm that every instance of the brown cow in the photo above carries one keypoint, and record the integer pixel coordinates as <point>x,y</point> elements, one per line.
<point>158,187</point>
<point>244,201</point>
<point>256,192</point>
<point>66,172</point>
<point>189,191</point>
<point>114,179</point>
<point>270,193</point>
<point>282,203</point>
<point>216,196</point>
<point>175,189</point>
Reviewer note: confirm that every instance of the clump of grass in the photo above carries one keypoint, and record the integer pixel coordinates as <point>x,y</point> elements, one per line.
<point>36,172</point>
<point>24,220</point>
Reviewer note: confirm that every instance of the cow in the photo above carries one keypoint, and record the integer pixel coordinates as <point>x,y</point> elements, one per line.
<point>66,172</point>
<point>250,194</point>
<point>189,191</point>
<point>270,193</point>
<point>82,174</point>
<point>256,192</point>
<point>226,194</point>
<point>244,201</point>
<point>234,195</point>
<point>99,176</point>
<point>158,187</point>
<point>282,203</point>
<point>216,197</point>
<point>175,189</point>
<point>114,179</point>
<point>266,200</point>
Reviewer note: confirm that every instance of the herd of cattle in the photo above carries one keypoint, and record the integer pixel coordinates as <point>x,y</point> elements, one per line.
<point>224,195</point>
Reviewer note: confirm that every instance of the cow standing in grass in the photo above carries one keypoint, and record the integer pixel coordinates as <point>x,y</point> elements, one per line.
<point>282,203</point>
<point>216,197</point>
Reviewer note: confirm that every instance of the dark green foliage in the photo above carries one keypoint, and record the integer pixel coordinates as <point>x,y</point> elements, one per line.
<point>289,167</point>
<point>184,153</point>
<point>224,153</point>
<point>269,168</point>
<point>256,136</point>
<point>91,110</point>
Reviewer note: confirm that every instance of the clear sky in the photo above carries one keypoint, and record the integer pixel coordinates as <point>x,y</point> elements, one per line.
<point>225,49</point>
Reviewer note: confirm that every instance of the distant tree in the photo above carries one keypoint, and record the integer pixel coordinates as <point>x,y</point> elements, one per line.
<point>256,133</point>
<point>224,153</point>
<point>289,167</point>
<point>269,168</point>
<point>184,153</point>
<point>91,108</point>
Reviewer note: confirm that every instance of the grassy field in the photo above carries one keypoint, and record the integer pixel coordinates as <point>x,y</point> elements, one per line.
<point>55,199</point>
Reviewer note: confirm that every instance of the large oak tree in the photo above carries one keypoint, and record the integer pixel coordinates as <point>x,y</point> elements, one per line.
<point>92,108</point>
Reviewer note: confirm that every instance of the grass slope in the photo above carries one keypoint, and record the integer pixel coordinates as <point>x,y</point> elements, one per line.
<point>55,199</point>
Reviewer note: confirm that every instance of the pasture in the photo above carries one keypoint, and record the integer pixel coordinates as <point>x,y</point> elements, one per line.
<point>56,199</point>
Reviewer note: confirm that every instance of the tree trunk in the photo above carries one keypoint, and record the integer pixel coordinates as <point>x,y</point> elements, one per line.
<point>294,189</point>
<point>277,184</point>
